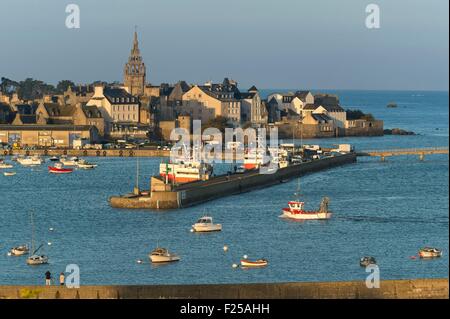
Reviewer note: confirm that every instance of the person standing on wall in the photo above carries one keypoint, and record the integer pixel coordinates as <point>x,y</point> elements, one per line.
<point>48,278</point>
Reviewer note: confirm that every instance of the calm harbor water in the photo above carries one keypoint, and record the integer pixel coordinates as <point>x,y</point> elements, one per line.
<point>387,210</point>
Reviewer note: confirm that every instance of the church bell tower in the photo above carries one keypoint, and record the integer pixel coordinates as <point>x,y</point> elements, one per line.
<point>134,71</point>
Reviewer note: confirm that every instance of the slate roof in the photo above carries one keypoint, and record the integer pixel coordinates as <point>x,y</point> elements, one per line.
<point>57,110</point>
<point>119,96</point>
<point>91,111</point>
<point>322,118</point>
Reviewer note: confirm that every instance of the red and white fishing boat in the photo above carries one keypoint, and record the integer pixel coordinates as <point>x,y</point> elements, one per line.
<point>296,210</point>
<point>185,172</point>
<point>59,169</point>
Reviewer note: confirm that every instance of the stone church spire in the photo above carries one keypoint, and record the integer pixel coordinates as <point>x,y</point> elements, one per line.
<point>135,71</point>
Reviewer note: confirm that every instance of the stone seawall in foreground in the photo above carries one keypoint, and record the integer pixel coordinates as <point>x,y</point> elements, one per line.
<point>389,289</point>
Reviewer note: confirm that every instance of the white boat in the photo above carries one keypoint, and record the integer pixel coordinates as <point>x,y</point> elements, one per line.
<point>19,250</point>
<point>73,161</point>
<point>37,260</point>
<point>85,164</point>
<point>429,252</point>
<point>205,224</point>
<point>253,264</point>
<point>54,159</point>
<point>162,255</point>
<point>5,165</point>
<point>30,161</point>
<point>9,173</point>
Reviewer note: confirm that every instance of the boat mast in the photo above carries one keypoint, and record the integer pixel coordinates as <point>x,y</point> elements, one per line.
<point>32,232</point>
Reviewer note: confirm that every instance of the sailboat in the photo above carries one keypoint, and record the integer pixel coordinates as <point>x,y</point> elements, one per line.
<point>295,209</point>
<point>35,259</point>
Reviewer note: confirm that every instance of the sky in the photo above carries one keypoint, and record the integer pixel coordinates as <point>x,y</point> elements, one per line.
<point>282,44</point>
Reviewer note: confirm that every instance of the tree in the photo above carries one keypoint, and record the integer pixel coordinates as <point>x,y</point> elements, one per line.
<point>8,86</point>
<point>219,122</point>
<point>359,115</point>
<point>63,85</point>
<point>31,89</point>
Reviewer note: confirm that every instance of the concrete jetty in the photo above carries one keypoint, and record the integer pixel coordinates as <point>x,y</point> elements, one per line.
<point>389,289</point>
<point>90,152</point>
<point>166,196</point>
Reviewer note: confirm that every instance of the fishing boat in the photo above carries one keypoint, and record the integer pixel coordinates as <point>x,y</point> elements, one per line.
<point>205,224</point>
<point>35,259</point>
<point>9,173</point>
<point>295,209</point>
<point>185,172</point>
<point>69,161</point>
<point>430,252</point>
<point>253,264</point>
<point>19,250</point>
<point>30,160</point>
<point>83,164</point>
<point>59,169</point>
<point>162,255</point>
<point>367,260</point>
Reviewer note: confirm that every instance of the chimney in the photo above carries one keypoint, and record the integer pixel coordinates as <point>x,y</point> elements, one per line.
<point>98,90</point>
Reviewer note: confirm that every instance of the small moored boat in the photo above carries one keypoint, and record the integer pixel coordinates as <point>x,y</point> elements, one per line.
<point>205,224</point>
<point>162,255</point>
<point>69,161</point>
<point>37,260</point>
<point>9,173</point>
<point>85,164</point>
<point>59,169</point>
<point>256,263</point>
<point>19,250</point>
<point>430,252</point>
<point>54,159</point>
<point>30,161</point>
<point>5,165</point>
<point>367,260</point>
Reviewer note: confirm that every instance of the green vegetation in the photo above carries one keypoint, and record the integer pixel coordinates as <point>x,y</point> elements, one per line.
<point>359,115</point>
<point>219,122</point>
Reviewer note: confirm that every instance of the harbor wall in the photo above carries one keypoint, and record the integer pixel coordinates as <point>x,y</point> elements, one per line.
<point>208,191</point>
<point>389,289</point>
<point>91,153</point>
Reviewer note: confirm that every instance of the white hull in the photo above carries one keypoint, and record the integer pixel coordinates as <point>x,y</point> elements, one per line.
<point>29,162</point>
<point>6,166</point>
<point>37,260</point>
<point>203,228</point>
<point>423,254</point>
<point>9,173</point>
<point>164,259</point>
<point>19,251</point>
<point>307,216</point>
<point>254,264</point>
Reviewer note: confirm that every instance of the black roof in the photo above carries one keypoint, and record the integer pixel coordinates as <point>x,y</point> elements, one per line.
<point>48,127</point>
<point>116,94</point>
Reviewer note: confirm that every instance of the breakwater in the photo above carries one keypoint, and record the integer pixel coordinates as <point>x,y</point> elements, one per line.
<point>389,289</point>
<point>164,196</point>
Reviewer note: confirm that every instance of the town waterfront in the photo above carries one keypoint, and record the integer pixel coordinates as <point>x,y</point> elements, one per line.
<point>387,210</point>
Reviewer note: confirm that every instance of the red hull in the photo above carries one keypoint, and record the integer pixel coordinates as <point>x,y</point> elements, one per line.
<point>55,170</point>
<point>177,179</point>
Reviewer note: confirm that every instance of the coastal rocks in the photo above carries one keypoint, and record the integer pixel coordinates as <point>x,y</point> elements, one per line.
<point>397,131</point>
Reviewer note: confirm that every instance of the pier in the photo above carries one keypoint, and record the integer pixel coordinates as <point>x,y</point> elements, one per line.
<point>167,196</point>
<point>389,289</point>
<point>421,152</point>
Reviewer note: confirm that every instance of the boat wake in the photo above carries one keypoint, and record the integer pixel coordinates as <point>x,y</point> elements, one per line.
<point>375,219</point>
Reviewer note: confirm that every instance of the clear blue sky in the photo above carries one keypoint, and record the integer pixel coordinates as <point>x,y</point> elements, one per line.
<point>272,44</point>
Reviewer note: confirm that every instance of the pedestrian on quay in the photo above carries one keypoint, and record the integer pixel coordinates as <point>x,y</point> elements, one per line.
<point>62,279</point>
<point>48,278</point>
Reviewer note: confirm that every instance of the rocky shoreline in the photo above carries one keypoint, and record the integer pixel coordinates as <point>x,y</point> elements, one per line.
<point>398,131</point>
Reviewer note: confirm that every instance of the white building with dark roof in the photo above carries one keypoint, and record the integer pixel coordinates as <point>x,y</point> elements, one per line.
<point>118,107</point>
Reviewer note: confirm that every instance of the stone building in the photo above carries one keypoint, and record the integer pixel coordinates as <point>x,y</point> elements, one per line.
<point>252,109</point>
<point>135,71</point>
